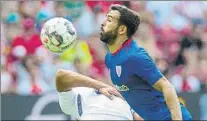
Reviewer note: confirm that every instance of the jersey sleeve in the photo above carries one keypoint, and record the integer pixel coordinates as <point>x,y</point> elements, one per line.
<point>143,66</point>
<point>67,102</point>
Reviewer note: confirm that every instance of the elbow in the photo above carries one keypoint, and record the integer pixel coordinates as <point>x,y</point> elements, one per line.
<point>60,75</point>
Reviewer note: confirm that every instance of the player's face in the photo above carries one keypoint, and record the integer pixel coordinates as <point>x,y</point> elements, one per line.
<point>109,27</point>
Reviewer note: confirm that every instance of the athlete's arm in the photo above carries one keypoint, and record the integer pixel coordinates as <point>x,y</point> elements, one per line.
<point>66,79</point>
<point>147,70</point>
<point>170,96</point>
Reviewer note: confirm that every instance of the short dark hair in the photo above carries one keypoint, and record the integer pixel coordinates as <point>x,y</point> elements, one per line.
<point>128,17</point>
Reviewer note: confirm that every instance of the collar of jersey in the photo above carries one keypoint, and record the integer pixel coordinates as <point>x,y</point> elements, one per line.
<point>127,42</point>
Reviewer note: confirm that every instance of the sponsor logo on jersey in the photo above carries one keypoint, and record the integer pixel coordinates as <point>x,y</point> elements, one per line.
<point>122,88</point>
<point>118,70</point>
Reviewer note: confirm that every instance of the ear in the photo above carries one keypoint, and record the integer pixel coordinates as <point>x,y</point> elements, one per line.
<point>122,29</point>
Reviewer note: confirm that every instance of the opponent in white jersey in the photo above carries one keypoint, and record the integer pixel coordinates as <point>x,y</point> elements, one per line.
<point>87,104</point>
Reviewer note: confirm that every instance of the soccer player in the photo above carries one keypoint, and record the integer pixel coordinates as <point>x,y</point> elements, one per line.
<point>84,103</point>
<point>132,71</point>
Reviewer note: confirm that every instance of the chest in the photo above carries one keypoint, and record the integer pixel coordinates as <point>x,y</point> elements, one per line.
<point>124,77</point>
<point>120,74</point>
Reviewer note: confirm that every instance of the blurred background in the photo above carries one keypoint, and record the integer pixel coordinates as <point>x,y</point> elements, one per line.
<point>173,32</point>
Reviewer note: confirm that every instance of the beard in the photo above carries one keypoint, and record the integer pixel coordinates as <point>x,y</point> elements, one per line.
<point>109,37</point>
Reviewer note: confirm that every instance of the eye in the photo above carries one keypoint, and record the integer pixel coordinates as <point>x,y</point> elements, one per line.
<point>109,20</point>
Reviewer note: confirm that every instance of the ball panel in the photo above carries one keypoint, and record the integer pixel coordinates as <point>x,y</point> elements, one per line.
<point>58,34</point>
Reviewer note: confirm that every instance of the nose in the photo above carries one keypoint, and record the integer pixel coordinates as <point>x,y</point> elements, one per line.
<point>102,25</point>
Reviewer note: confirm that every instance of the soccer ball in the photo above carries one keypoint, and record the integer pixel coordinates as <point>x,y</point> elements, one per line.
<point>58,34</point>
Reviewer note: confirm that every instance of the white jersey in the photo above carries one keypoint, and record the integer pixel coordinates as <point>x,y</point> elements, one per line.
<point>82,102</point>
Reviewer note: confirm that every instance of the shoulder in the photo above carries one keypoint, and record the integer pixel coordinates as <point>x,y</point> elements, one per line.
<point>68,103</point>
<point>139,61</point>
<point>139,55</point>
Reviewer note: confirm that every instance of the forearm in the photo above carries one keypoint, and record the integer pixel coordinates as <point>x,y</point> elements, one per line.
<point>67,79</point>
<point>172,103</point>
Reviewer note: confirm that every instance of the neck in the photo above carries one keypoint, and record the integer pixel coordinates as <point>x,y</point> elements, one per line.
<point>117,44</point>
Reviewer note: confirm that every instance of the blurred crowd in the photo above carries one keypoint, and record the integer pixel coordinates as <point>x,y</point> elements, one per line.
<point>173,32</point>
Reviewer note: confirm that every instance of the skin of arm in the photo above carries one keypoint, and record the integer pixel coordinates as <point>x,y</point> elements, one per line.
<point>170,96</point>
<point>66,79</point>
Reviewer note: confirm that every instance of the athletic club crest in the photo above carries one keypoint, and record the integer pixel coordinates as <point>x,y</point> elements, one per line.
<point>118,70</point>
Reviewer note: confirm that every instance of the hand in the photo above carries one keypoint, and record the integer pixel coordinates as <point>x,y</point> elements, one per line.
<point>110,91</point>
